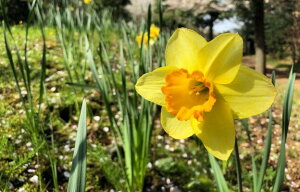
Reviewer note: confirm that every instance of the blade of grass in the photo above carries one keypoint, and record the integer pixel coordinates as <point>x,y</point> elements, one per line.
<point>238,166</point>
<point>60,32</point>
<point>102,85</point>
<point>160,12</point>
<point>129,52</point>
<point>245,124</point>
<point>128,138</point>
<point>254,173</point>
<point>78,171</point>
<point>286,114</point>
<point>267,146</point>
<point>48,149</point>
<point>149,23</point>
<point>27,69</point>
<point>43,61</point>
<point>221,183</point>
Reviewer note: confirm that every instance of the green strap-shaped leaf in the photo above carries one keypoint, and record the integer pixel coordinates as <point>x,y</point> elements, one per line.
<point>221,183</point>
<point>267,147</point>
<point>286,114</point>
<point>78,172</point>
<point>238,166</point>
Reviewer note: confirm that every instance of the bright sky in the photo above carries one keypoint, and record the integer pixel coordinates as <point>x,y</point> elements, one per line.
<point>227,25</point>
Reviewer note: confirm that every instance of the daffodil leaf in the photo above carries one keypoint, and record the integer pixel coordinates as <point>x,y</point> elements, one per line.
<point>286,114</point>
<point>221,183</point>
<point>78,171</point>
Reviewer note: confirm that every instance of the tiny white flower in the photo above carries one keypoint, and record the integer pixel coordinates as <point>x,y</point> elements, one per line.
<point>106,129</point>
<point>168,181</point>
<point>28,144</point>
<point>66,174</point>
<point>31,170</point>
<point>97,118</point>
<point>34,179</point>
<point>53,89</point>
<point>22,190</point>
<point>149,165</point>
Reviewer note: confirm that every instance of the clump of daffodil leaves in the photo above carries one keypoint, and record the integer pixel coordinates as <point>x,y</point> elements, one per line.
<point>204,87</point>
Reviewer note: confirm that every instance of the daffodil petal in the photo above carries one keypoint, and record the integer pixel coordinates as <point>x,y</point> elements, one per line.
<point>175,128</point>
<point>149,85</point>
<point>183,49</point>
<point>217,130</point>
<point>221,58</point>
<point>250,93</point>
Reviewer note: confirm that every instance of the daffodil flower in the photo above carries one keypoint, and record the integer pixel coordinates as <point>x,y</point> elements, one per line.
<point>154,34</point>
<point>204,88</point>
<point>86,1</point>
<point>139,39</point>
<point>154,31</point>
<point>51,33</point>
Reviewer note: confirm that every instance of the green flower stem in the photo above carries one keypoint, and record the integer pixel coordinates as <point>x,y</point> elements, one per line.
<point>238,166</point>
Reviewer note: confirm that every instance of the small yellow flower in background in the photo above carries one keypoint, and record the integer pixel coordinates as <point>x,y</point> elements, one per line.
<point>51,33</point>
<point>86,1</point>
<point>154,34</point>
<point>154,31</point>
<point>204,88</point>
<point>139,39</point>
<point>20,22</point>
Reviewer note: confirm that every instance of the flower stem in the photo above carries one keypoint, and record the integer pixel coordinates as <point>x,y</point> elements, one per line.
<point>238,166</point>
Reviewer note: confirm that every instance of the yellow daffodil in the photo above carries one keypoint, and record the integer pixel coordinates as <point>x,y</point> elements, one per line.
<point>154,34</point>
<point>139,39</point>
<point>204,88</point>
<point>86,1</point>
<point>51,33</point>
<point>154,31</point>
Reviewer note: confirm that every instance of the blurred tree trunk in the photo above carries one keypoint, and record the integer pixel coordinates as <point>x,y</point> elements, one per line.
<point>211,30</point>
<point>294,34</point>
<point>213,17</point>
<point>260,54</point>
